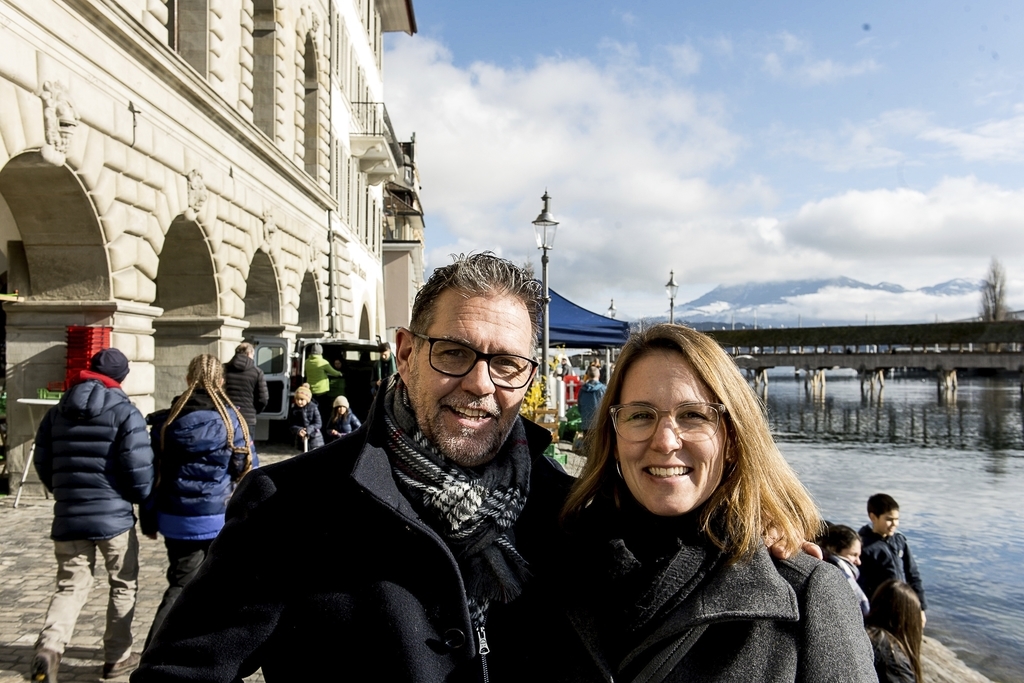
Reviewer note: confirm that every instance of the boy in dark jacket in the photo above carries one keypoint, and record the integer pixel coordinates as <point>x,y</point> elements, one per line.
<point>885,553</point>
<point>92,452</point>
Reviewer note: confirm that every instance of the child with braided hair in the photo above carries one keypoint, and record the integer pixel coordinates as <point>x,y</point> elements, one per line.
<point>202,449</point>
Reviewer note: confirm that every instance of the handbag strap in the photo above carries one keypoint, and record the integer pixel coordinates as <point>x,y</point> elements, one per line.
<point>662,664</point>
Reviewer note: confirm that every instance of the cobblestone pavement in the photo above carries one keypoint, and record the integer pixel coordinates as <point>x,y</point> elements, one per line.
<point>27,573</point>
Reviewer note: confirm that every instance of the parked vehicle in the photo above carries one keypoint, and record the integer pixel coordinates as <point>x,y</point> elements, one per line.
<point>282,362</point>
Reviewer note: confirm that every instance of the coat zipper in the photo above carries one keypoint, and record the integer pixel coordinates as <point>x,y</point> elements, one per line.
<point>484,651</point>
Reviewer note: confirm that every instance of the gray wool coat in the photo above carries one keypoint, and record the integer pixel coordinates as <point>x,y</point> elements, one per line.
<point>764,620</point>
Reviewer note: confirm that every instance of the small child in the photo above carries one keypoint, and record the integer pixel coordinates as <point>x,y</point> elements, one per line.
<point>305,420</point>
<point>885,553</point>
<point>842,548</point>
<point>342,420</point>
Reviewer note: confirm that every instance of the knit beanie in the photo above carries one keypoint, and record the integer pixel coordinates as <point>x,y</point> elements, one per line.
<point>341,401</point>
<point>110,362</point>
<point>304,390</point>
<point>316,350</point>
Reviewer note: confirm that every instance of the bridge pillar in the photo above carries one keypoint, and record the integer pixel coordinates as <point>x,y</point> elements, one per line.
<point>947,380</point>
<point>818,383</point>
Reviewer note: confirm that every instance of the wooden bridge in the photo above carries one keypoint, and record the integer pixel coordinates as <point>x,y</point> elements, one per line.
<point>872,350</point>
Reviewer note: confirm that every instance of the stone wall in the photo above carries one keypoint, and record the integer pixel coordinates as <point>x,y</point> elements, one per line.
<point>142,194</point>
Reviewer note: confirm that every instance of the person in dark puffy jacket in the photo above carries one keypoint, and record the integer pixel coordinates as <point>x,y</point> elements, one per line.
<point>304,420</point>
<point>92,452</point>
<point>245,384</point>
<point>343,421</point>
<point>202,450</point>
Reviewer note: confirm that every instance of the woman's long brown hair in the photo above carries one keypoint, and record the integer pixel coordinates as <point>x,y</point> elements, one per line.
<point>896,608</point>
<point>759,496</point>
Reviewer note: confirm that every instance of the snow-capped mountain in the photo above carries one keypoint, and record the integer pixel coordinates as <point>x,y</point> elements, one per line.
<point>832,301</point>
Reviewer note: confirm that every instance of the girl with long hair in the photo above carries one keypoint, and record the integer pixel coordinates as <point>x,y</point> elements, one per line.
<point>203,448</point>
<point>896,630</point>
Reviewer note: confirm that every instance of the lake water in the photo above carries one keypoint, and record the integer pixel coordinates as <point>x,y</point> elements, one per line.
<point>956,466</point>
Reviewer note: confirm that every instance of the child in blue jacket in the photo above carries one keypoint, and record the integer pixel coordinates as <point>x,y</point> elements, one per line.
<point>304,419</point>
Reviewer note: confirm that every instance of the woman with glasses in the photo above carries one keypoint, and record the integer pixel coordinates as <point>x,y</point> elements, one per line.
<point>670,576</point>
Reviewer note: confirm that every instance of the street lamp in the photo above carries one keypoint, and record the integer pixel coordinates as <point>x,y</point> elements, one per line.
<point>611,310</point>
<point>672,288</point>
<point>545,226</point>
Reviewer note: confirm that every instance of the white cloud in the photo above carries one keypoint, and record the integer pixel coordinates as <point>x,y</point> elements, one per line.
<point>959,217</point>
<point>640,168</point>
<point>617,142</point>
<point>685,59</point>
<point>998,141</point>
<point>795,62</point>
<point>874,143</point>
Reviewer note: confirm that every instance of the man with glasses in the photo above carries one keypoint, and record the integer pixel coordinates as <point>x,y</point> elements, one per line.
<point>388,554</point>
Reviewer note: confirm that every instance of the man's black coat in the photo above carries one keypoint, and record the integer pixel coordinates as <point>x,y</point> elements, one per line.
<point>323,571</point>
<point>246,387</point>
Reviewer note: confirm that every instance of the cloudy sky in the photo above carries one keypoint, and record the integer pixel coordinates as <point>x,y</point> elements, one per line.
<point>730,141</point>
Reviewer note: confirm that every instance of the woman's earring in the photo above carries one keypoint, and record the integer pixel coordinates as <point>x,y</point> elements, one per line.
<point>618,468</point>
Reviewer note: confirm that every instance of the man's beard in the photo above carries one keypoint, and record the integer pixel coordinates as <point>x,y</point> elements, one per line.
<point>464,446</point>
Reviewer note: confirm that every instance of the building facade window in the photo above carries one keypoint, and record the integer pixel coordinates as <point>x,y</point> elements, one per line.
<point>264,71</point>
<point>188,32</point>
<point>311,110</point>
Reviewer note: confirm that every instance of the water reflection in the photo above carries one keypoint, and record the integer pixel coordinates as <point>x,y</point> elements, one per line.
<point>955,462</point>
<point>985,415</point>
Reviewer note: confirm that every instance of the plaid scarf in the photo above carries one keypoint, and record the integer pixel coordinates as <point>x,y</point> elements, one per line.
<point>472,510</point>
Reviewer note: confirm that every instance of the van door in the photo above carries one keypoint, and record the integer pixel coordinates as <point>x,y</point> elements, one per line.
<point>272,359</point>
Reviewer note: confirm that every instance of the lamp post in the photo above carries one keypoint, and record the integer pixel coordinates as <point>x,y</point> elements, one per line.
<point>544,226</point>
<point>672,288</point>
<point>611,310</point>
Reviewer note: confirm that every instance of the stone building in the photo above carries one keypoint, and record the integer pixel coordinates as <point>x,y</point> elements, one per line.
<point>189,173</point>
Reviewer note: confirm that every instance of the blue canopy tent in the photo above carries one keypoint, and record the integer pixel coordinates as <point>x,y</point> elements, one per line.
<point>578,328</point>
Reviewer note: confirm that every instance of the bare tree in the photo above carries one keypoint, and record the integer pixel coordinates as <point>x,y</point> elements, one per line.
<point>993,293</point>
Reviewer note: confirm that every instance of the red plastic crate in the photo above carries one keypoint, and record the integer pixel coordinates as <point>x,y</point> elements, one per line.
<point>84,342</point>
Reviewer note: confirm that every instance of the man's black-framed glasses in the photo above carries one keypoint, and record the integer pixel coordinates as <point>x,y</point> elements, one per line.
<point>457,360</point>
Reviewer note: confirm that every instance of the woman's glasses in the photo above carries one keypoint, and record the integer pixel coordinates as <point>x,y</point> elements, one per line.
<point>690,421</point>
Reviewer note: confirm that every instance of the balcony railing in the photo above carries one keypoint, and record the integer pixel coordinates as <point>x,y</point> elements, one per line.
<point>371,118</point>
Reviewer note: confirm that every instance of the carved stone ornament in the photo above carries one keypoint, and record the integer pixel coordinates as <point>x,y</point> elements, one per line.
<point>312,22</point>
<point>314,255</point>
<point>59,121</point>
<point>197,194</point>
<point>269,228</point>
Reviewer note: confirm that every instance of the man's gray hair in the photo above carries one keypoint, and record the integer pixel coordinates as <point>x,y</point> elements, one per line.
<point>246,348</point>
<point>479,274</point>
